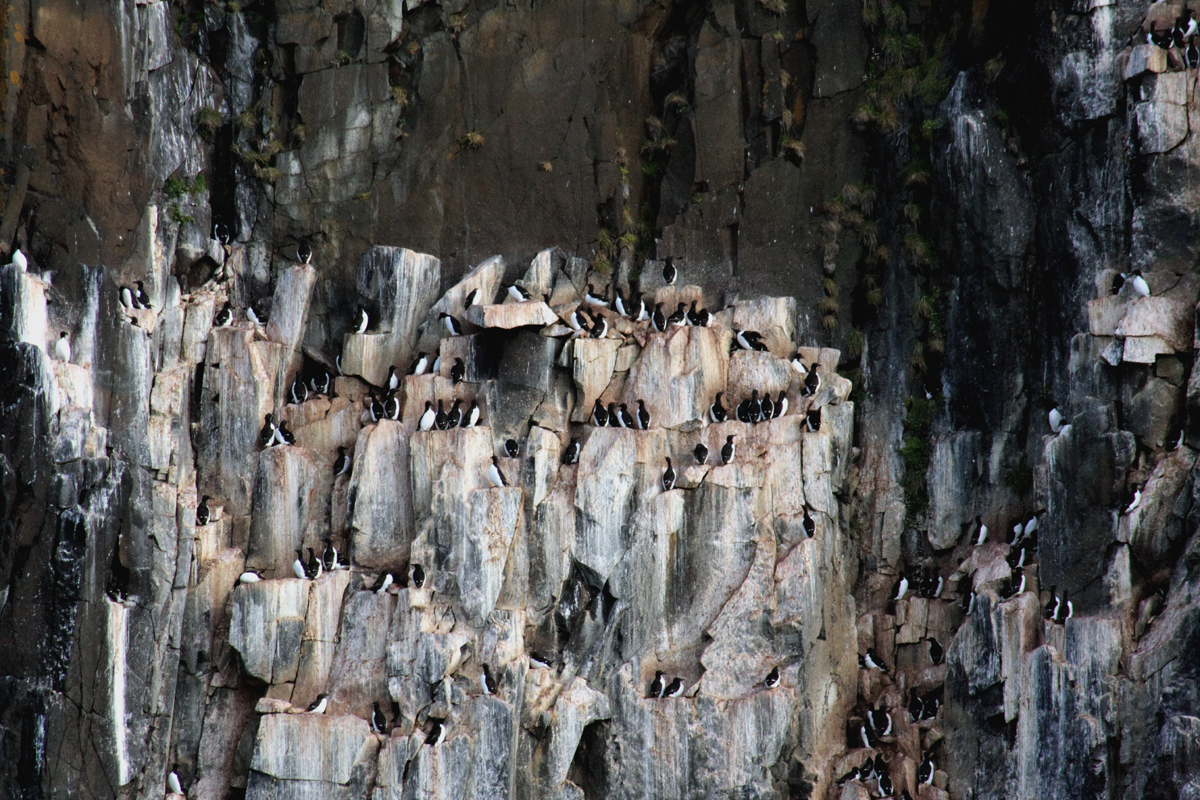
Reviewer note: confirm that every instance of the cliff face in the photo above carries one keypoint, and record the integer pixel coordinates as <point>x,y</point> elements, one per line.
<point>946,193</point>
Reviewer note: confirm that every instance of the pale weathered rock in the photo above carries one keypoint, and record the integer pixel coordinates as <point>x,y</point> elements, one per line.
<point>381,498</point>
<point>1170,320</point>
<point>321,619</point>
<point>401,286</point>
<point>291,507</point>
<point>512,315</point>
<point>678,375</point>
<point>311,747</point>
<point>593,362</point>
<point>267,626</point>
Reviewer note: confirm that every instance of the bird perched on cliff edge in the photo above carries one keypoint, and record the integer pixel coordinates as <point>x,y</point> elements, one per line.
<point>668,477</point>
<point>62,348</point>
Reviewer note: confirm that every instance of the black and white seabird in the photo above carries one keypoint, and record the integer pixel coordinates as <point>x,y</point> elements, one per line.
<point>511,448</point>
<point>318,706</point>
<point>674,688</point>
<point>872,660</point>
<point>282,435</point>
<point>173,784</point>
<point>418,576</point>
<point>453,326</point>
<point>849,776</point>
<point>592,298</point>
<point>1013,587</point>
<point>486,682</point>
<point>471,418</point>
<point>678,316</point>
<point>1133,500</point>
<point>249,576</point>
<point>267,435</point>
<point>885,785</point>
<point>454,415</point>
<point>320,385</point>
<point>127,299</point>
<point>980,532</point>
<point>221,233</point>
<point>298,566</point>
<point>810,525</point>
<point>341,464</point>
<point>299,392</point>
<point>600,329</point>
<point>518,293</point>
<point>865,737</point>
<point>1138,283</point>
<point>383,582</point>
<point>717,411</point>
<point>700,318</point>
<point>668,478</point>
<point>728,450</point>
<point>599,414</point>
<point>20,260</point>
<point>313,568</point>
<point>900,587</point>
<point>772,678</point>
<point>768,407</point>
<point>925,771</point>
<point>658,320</point>
<point>812,420</point>
<point>392,382</point>
<point>329,556</point>
<point>202,515</point>
<point>798,365</point>
<point>391,407</point>
<point>224,316</point>
<point>1056,420</point>
<point>143,299</point>
<point>640,313</point>
<point>880,721</point>
<point>256,314</point>
<point>457,370</point>
<point>437,733</point>
<point>812,381</point>
<point>656,686</point>
<point>1016,558</point>
<point>361,320</point>
<point>627,420</point>
<point>62,348</point>
<point>472,299</point>
<point>701,453</point>
<point>1191,55</point>
<point>419,365</point>
<point>495,475</point>
<point>578,320</point>
<point>1064,610</point>
<point>936,651</point>
<point>378,720</point>
<point>743,411</point>
<point>304,252</point>
<point>1052,606</point>
<point>375,408</point>
<point>643,416</point>
<point>571,454</point>
<point>427,418</point>
<point>669,272</point>
<point>614,417</point>
<point>756,411</point>
<point>747,339</point>
<point>440,418</point>
<point>781,405</point>
<point>619,302</point>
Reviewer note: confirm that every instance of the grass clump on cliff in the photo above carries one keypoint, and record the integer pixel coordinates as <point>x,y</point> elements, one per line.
<point>471,140</point>
<point>208,120</point>
<point>916,453</point>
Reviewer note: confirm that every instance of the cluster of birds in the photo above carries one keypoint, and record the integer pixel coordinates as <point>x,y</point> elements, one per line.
<point>1181,35</point>
<point>384,402</point>
<point>930,584</point>
<point>1134,279</point>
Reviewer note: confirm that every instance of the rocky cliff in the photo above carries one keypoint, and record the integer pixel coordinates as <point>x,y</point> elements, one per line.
<point>977,219</point>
